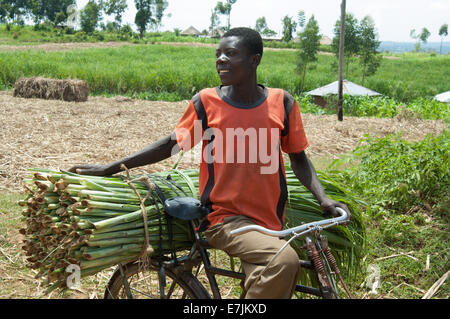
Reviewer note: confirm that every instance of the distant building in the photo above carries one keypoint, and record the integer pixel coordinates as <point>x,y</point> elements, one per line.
<point>217,33</point>
<point>272,38</point>
<point>325,40</point>
<point>348,88</point>
<point>191,31</point>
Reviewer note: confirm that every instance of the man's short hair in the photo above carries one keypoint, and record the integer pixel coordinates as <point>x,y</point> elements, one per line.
<point>251,39</point>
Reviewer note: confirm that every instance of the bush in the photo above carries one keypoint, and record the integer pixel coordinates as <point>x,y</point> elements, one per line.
<point>396,175</point>
<point>69,30</point>
<point>98,36</point>
<point>424,108</point>
<point>80,36</point>
<point>126,30</point>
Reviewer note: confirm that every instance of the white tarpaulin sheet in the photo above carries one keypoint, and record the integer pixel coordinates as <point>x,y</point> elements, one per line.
<point>348,87</point>
<point>443,97</point>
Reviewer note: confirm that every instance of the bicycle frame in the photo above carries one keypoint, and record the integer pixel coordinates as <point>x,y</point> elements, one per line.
<point>199,255</point>
<point>324,289</point>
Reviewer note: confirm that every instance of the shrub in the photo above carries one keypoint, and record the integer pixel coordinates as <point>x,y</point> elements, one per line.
<point>396,175</point>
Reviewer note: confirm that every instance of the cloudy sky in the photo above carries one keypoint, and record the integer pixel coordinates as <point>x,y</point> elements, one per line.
<point>394,19</point>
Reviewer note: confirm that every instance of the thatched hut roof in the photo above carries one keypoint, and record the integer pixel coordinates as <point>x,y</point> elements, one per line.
<point>191,31</point>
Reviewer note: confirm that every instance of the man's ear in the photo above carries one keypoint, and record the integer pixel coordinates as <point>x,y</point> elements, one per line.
<point>256,59</point>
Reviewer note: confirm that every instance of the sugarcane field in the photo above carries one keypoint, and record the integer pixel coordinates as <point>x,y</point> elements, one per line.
<point>76,93</point>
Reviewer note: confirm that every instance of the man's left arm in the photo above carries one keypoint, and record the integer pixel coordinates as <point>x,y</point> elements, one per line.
<point>306,174</point>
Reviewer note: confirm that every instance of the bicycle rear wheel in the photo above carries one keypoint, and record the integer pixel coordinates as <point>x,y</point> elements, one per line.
<point>143,283</point>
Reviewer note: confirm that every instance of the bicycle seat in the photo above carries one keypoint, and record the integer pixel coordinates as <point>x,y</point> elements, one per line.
<point>185,208</point>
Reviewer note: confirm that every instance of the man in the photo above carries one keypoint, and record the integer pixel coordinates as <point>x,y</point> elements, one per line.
<point>242,181</point>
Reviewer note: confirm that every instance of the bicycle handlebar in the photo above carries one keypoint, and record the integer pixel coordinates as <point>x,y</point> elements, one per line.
<point>305,227</point>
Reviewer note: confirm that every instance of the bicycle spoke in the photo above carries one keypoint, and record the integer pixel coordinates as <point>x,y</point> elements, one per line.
<point>142,293</point>
<point>172,287</point>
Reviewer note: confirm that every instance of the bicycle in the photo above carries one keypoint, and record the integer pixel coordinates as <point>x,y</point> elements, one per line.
<point>176,277</point>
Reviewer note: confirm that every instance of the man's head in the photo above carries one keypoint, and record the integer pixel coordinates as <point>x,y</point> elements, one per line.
<point>238,56</point>
<point>250,39</point>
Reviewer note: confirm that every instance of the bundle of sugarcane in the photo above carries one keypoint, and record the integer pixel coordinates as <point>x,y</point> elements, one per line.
<point>346,242</point>
<point>99,222</point>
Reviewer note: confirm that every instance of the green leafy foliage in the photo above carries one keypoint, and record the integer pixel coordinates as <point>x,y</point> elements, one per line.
<point>394,174</point>
<point>387,107</point>
<point>406,187</point>
<point>90,16</point>
<point>289,27</point>
<point>308,47</point>
<point>380,107</point>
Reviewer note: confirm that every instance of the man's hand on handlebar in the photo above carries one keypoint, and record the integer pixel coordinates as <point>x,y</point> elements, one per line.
<point>328,207</point>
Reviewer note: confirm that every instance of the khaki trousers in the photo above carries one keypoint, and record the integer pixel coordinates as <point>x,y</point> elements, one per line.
<point>255,250</point>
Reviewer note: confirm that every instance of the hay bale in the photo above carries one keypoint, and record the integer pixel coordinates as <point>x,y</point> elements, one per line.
<point>52,89</point>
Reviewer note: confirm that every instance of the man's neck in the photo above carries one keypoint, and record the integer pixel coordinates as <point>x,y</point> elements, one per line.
<point>244,94</point>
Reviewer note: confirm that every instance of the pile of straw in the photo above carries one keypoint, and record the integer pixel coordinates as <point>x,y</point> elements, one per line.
<point>52,89</point>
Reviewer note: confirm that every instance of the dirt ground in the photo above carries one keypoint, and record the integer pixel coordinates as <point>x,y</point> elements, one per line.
<point>57,134</point>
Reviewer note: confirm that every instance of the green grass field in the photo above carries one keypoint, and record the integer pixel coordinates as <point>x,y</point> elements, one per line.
<point>177,72</point>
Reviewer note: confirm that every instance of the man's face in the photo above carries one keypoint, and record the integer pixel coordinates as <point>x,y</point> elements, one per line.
<point>234,63</point>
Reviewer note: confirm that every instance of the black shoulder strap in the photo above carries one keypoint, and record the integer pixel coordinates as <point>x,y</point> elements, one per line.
<point>200,110</point>
<point>288,102</point>
<point>205,200</point>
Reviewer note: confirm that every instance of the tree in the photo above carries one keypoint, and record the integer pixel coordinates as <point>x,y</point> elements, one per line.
<point>421,37</point>
<point>143,15</point>
<point>39,11</point>
<point>116,8</point>
<point>214,19</point>
<point>262,28</point>
<point>14,11</point>
<point>369,57</point>
<point>225,9</point>
<point>301,18</point>
<point>443,32</point>
<point>361,41</point>
<point>54,11</point>
<point>289,27</point>
<point>308,47</point>
<point>424,35</point>
<point>159,8</point>
<point>60,18</point>
<point>415,36</point>
<point>351,38</point>
<point>90,16</point>
<point>149,13</point>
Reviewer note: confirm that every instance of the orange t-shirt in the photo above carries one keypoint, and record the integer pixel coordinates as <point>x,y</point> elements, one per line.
<point>242,170</point>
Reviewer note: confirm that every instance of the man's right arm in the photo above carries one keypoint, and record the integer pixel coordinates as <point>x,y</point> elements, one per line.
<point>155,152</point>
